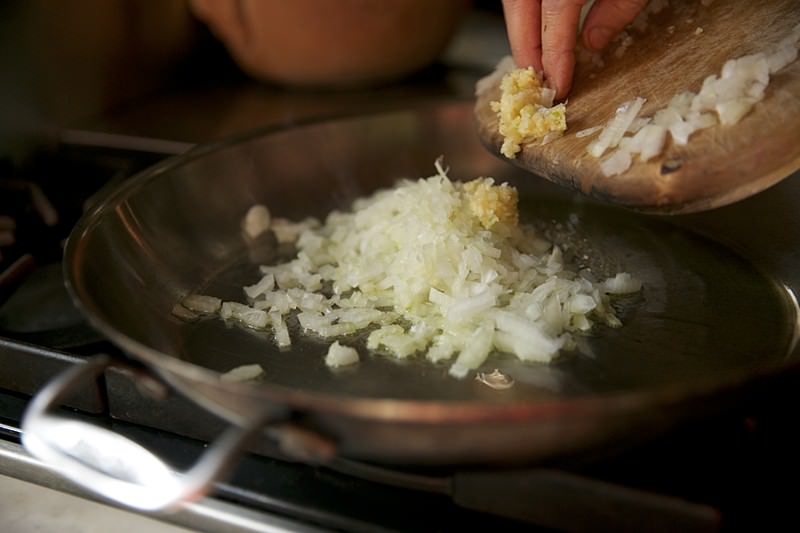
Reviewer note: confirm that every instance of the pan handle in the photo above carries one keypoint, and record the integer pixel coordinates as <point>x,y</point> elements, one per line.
<point>114,466</point>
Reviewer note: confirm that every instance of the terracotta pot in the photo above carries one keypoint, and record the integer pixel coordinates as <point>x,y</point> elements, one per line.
<point>332,42</point>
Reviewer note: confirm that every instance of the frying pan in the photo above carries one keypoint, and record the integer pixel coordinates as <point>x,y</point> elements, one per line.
<point>716,316</point>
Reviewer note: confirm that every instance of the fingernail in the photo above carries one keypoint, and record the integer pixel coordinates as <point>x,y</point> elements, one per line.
<point>599,37</point>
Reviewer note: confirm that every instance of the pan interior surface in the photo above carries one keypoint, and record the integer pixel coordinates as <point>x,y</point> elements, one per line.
<point>705,314</point>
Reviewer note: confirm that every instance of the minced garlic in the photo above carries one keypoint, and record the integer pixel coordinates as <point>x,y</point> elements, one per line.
<point>524,111</point>
<point>492,203</point>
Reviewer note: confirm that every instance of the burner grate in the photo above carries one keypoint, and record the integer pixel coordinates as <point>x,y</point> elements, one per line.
<point>41,331</point>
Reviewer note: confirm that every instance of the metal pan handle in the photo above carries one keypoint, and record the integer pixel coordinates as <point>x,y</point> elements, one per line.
<point>114,466</point>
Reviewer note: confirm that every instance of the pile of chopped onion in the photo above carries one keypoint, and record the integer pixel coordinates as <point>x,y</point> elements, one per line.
<point>430,267</point>
<point>722,100</point>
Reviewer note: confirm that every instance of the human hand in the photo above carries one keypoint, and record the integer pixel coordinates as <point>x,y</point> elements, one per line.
<point>543,33</point>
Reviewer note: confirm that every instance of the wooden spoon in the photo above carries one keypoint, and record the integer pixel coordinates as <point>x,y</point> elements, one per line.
<point>682,45</point>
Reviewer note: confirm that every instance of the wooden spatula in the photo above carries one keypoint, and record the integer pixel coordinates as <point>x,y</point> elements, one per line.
<point>681,46</point>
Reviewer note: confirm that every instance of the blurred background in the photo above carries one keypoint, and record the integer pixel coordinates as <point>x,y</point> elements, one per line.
<point>93,91</point>
<point>194,70</point>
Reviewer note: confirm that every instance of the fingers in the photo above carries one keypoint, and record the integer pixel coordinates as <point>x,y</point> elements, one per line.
<point>606,19</point>
<point>523,23</point>
<point>559,33</point>
<point>222,18</point>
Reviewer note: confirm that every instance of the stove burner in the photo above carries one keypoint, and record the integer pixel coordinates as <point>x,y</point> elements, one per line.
<point>40,202</point>
<point>7,227</point>
<point>41,312</point>
<point>41,199</point>
<point>14,274</point>
<point>27,219</point>
<point>41,303</point>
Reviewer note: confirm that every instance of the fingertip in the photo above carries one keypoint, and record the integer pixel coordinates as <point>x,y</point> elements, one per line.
<point>557,83</point>
<point>562,88</point>
<point>558,74</point>
<point>596,38</point>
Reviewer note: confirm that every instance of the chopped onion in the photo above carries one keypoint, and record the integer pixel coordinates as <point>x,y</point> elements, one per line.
<point>441,350</point>
<point>582,304</point>
<point>617,163</point>
<point>243,373</point>
<point>622,283</point>
<point>439,268</point>
<point>616,128</point>
<point>477,349</point>
<point>588,131</point>
<point>732,111</point>
<point>785,53</point>
<point>266,284</point>
<point>638,124</point>
<point>339,355</point>
<point>723,99</point>
<point>653,138</point>
<point>287,231</point>
<point>280,328</point>
<point>256,221</point>
<point>467,308</point>
<point>680,130</point>
<point>184,314</point>
<point>701,121</point>
<point>200,303</point>
<point>527,334</point>
<point>254,318</point>
<point>682,102</point>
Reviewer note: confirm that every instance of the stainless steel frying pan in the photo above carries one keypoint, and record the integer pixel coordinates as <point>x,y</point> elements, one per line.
<point>716,316</point>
